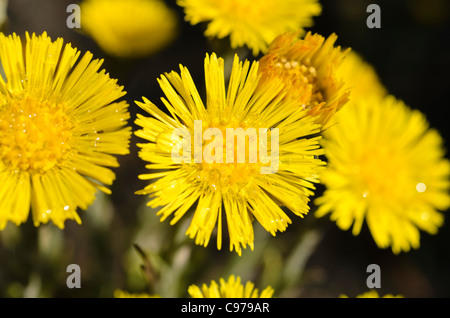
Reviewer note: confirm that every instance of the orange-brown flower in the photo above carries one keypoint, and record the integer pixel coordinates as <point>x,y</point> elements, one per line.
<point>308,68</point>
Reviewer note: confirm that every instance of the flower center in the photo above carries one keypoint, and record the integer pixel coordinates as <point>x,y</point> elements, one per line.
<point>295,75</point>
<point>383,180</point>
<point>225,175</point>
<point>34,135</point>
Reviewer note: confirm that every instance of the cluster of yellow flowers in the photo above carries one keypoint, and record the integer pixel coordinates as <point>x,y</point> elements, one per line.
<point>62,126</point>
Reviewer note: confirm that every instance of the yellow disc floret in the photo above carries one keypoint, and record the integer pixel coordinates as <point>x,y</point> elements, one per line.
<point>309,69</point>
<point>34,136</point>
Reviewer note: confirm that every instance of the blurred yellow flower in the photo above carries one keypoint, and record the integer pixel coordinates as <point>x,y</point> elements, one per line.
<point>232,288</point>
<point>360,77</point>
<point>240,189</point>
<point>251,23</point>
<point>374,294</point>
<point>385,166</point>
<point>308,68</point>
<point>59,127</point>
<point>129,28</point>
<point>118,293</point>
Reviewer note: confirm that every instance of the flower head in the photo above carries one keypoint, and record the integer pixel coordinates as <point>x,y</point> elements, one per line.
<point>232,288</point>
<point>374,294</point>
<point>308,68</point>
<point>360,77</point>
<point>59,130</point>
<point>129,28</point>
<point>227,179</point>
<point>118,293</point>
<point>251,23</point>
<point>386,166</point>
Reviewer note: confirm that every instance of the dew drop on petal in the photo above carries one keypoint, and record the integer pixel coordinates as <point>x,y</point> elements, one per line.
<point>425,216</point>
<point>421,187</point>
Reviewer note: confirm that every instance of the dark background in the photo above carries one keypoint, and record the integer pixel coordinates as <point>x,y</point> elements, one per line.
<point>411,54</point>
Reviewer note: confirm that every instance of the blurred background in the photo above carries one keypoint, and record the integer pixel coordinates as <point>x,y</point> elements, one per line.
<point>313,258</point>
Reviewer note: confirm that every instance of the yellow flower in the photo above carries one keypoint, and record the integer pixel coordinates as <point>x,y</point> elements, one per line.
<point>129,28</point>
<point>374,294</point>
<point>233,288</point>
<point>385,166</point>
<point>118,293</point>
<point>308,68</point>
<point>360,77</point>
<point>243,189</point>
<point>59,127</point>
<point>251,23</point>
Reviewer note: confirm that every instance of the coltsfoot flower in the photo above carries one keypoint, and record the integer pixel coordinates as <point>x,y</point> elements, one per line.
<point>308,68</point>
<point>60,128</point>
<point>232,288</point>
<point>360,77</point>
<point>374,294</point>
<point>251,23</point>
<point>243,190</point>
<point>118,293</point>
<point>385,166</point>
<point>129,28</point>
